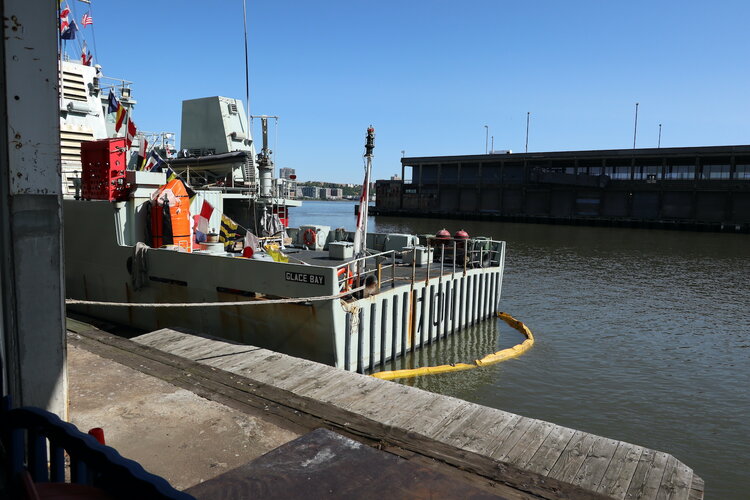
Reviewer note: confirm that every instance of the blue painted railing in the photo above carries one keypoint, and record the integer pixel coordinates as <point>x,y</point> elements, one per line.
<point>25,434</point>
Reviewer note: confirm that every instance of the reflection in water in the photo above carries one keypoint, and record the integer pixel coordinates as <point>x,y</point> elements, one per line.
<point>641,335</point>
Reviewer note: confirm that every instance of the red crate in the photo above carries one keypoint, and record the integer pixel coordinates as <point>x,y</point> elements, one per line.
<point>104,163</point>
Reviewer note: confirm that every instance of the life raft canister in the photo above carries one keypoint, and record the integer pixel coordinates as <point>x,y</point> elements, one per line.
<point>461,235</point>
<point>443,234</point>
<point>170,220</point>
<point>309,237</point>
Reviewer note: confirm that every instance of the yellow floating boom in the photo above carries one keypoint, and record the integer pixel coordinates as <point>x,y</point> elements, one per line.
<point>490,359</point>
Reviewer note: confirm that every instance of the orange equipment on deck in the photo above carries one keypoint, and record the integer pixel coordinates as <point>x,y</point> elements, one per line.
<point>170,216</point>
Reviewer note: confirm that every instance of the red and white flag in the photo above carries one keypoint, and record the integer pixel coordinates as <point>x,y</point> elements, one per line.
<point>87,19</point>
<point>85,55</point>
<point>142,149</point>
<point>201,220</point>
<point>131,133</point>
<point>64,19</point>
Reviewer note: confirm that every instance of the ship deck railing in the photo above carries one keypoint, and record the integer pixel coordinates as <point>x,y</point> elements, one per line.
<point>450,255</point>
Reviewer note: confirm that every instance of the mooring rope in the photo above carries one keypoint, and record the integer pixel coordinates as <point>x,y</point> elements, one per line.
<point>291,300</point>
<point>490,359</point>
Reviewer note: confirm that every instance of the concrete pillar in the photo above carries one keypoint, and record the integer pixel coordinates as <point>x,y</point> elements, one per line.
<point>32,331</point>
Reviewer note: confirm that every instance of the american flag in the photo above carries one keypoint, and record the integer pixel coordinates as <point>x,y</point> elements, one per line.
<point>86,20</point>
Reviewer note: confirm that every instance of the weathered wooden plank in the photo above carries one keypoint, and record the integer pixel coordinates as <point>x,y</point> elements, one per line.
<point>546,456</point>
<point>596,463</point>
<point>572,457</point>
<point>376,400</point>
<point>274,371</point>
<point>647,475</point>
<point>675,483</point>
<point>645,462</point>
<point>348,392</point>
<point>522,452</point>
<point>303,376</point>
<point>472,434</point>
<point>390,411</point>
<point>697,488</point>
<point>165,339</point>
<point>266,370</point>
<point>188,345</point>
<point>509,437</point>
<point>352,382</point>
<point>231,362</point>
<point>450,419</point>
<point>620,471</point>
<point>428,417</point>
<point>663,464</point>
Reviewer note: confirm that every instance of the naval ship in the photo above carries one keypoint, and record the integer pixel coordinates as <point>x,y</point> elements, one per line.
<point>309,296</point>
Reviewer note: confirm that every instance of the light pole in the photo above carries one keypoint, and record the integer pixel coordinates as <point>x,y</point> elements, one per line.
<point>528,117</point>
<point>403,153</point>
<point>635,128</point>
<point>486,138</point>
<point>492,148</point>
<point>658,144</point>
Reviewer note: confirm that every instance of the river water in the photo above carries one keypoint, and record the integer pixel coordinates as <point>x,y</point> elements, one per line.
<point>641,336</point>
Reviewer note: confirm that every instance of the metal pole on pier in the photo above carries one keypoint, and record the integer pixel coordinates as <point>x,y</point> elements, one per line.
<point>658,144</point>
<point>635,127</point>
<point>528,117</point>
<point>486,138</point>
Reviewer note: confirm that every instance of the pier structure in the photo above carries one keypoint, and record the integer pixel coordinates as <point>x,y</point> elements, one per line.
<point>694,188</point>
<point>511,456</point>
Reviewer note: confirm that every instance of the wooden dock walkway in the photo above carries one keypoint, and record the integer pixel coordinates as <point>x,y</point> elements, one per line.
<point>532,456</point>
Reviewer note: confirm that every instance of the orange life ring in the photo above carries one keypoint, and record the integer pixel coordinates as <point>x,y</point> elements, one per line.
<point>347,283</point>
<point>309,237</point>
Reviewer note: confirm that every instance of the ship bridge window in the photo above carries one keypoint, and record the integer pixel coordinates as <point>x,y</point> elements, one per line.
<point>742,172</point>
<point>715,172</point>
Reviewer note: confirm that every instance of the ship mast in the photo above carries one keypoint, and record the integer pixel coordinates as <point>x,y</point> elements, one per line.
<point>360,235</point>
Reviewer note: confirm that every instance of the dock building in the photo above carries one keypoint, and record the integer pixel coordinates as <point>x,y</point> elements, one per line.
<point>683,188</point>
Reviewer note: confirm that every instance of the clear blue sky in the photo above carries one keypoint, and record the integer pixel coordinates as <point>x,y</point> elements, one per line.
<point>430,74</point>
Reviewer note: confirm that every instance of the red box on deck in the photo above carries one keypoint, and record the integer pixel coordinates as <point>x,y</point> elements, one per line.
<point>104,163</point>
